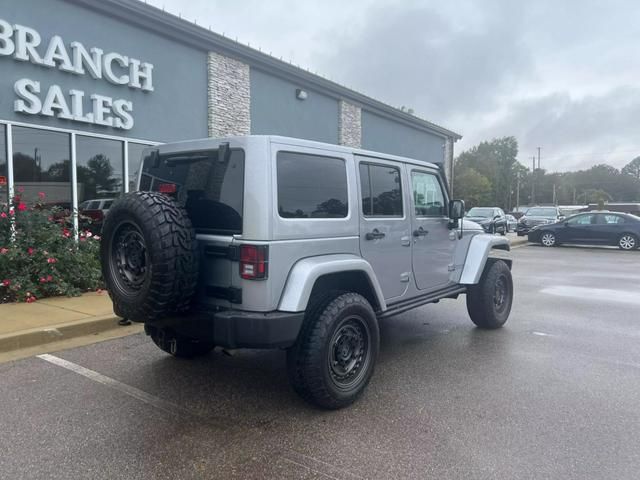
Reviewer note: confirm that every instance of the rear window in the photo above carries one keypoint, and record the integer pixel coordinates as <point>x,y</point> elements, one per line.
<point>381,190</point>
<point>210,188</point>
<point>311,186</point>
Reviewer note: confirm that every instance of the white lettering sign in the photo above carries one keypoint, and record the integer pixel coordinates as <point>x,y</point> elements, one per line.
<point>25,44</point>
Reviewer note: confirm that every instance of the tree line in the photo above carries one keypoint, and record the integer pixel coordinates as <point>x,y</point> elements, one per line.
<point>489,174</point>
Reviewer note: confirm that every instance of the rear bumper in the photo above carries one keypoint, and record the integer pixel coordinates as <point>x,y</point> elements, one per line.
<point>238,329</point>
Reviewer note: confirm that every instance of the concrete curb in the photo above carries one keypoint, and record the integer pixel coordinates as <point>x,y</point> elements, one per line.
<point>54,333</point>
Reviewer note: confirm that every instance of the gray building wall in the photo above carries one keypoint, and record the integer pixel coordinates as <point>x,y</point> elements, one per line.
<point>275,110</point>
<point>383,135</point>
<point>176,110</point>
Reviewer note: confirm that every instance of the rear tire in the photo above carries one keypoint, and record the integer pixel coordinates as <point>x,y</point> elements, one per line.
<point>334,357</point>
<point>148,255</point>
<point>177,345</point>
<point>489,302</point>
<point>628,241</point>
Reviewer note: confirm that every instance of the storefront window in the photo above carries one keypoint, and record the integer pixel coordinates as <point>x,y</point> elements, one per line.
<point>99,168</point>
<point>4,181</point>
<point>42,163</point>
<point>135,161</point>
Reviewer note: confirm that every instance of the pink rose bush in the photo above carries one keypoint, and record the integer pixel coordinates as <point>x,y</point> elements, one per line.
<point>39,256</point>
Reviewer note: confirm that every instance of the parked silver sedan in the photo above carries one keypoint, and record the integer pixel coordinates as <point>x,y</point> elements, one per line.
<point>512,223</point>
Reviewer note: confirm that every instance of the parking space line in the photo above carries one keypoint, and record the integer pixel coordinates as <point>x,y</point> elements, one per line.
<point>134,392</point>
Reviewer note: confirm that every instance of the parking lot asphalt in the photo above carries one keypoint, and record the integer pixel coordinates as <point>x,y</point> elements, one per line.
<point>554,394</point>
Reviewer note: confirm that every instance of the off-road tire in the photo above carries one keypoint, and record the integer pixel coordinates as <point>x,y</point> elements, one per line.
<point>177,345</point>
<point>482,299</point>
<point>149,256</point>
<point>309,361</point>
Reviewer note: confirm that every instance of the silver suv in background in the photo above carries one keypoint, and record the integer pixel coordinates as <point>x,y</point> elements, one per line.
<point>273,242</point>
<point>536,216</point>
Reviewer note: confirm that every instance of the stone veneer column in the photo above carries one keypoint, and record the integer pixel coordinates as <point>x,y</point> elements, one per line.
<point>229,96</point>
<point>350,125</point>
<point>448,161</point>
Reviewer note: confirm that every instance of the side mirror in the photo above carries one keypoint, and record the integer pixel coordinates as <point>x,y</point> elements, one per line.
<point>456,209</point>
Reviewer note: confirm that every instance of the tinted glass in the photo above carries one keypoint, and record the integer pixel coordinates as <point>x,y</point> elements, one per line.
<point>4,181</point>
<point>427,195</point>
<point>135,161</point>
<point>610,219</point>
<point>210,188</point>
<point>311,186</point>
<point>381,190</point>
<point>542,212</point>
<point>480,212</point>
<point>581,220</point>
<point>42,163</point>
<point>99,168</point>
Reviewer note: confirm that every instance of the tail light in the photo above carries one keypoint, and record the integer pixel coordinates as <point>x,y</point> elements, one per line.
<point>254,260</point>
<point>167,188</point>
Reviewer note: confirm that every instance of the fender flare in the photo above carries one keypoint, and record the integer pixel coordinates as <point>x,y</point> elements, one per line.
<point>477,256</point>
<point>305,272</point>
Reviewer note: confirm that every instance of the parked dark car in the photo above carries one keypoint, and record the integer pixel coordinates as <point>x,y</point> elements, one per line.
<point>538,216</point>
<point>592,228</point>
<point>491,219</point>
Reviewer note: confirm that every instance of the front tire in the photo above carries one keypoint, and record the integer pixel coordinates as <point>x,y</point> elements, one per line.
<point>628,241</point>
<point>489,302</point>
<point>334,357</point>
<point>548,239</point>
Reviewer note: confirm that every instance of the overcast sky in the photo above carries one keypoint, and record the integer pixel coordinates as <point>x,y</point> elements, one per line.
<point>562,75</point>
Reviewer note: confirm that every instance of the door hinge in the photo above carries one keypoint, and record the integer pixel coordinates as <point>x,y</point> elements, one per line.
<point>451,267</point>
<point>405,276</point>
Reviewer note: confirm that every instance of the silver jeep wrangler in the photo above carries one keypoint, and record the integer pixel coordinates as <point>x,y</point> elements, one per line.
<point>274,242</point>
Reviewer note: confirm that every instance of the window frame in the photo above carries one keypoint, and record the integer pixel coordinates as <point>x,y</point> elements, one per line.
<point>324,155</point>
<point>398,168</point>
<point>445,200</point>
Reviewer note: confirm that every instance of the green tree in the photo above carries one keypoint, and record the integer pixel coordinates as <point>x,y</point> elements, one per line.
<point>632,168</point>
<point>496,161</point>
<point>471,186</point>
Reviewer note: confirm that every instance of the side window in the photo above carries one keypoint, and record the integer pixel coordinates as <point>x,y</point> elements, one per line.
<point>381,190</point>
<point>427,195</point>
<point>610,219</point>
<point>311,186</point>
<point>580,220</point>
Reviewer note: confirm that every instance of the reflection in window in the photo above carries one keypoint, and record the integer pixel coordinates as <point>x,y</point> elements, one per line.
<point>99,168</point>
<point>381,190</point>
<point>311,186</point>
<point>581,220</point>
<point>4,181</point>
<point>135,161</point>
<point>42,163</point>
<point>427,195</point>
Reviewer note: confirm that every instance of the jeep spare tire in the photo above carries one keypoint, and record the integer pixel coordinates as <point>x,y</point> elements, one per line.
<point>149,256</point>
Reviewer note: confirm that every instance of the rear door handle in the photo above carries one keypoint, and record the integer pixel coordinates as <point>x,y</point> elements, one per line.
<point>374,235</point>
<point>421,232</point>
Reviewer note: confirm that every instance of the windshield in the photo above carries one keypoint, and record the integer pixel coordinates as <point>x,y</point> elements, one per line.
<point>480,212</point>
<point>542,212</point>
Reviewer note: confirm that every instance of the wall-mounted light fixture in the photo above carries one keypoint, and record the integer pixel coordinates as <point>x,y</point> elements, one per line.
<point>301,94</point>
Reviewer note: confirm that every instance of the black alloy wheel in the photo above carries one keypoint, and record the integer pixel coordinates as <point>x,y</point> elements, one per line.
<point>334,356</point>
<point>349,353</point>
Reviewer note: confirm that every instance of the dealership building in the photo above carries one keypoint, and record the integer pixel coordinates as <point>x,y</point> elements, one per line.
<point>86,85</point>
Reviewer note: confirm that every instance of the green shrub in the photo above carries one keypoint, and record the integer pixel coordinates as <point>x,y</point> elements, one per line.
<point>39,256</point>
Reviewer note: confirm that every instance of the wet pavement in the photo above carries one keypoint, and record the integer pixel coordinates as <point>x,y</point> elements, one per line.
<point>554,394</point>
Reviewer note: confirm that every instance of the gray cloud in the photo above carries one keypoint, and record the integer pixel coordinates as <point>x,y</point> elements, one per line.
<point>561,75</point>
<point>417,56</point>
